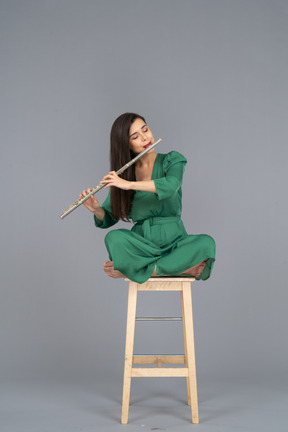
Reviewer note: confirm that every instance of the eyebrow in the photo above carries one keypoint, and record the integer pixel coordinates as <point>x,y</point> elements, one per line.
<point>145,125</point>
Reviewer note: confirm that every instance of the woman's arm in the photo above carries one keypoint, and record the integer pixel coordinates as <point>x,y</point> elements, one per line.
<point>145,186</point>
<point>112,179</point>
<point>164,187</point>
<point>103,216</point>
<point>93,205</point>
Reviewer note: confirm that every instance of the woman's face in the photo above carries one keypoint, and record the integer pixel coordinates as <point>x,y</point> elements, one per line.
<point>140,136</point>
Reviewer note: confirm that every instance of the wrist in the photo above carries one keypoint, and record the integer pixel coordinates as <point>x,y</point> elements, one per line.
<point>98,211</point>
<point>130,185</point>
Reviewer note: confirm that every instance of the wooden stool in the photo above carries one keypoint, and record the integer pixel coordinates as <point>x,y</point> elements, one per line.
<point>188,359</point>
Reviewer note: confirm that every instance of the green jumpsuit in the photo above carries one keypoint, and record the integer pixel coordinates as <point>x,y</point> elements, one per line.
<point>158,237</point>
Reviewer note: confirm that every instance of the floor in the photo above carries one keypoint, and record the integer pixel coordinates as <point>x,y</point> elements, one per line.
<point>156,405</point>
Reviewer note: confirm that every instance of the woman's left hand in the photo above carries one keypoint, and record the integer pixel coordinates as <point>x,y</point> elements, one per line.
<point>112,179</point>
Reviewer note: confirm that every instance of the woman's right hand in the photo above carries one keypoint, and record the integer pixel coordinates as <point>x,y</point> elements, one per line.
<point>91,203</point>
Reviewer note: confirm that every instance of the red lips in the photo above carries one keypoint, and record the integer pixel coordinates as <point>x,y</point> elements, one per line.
<point>147,145</point>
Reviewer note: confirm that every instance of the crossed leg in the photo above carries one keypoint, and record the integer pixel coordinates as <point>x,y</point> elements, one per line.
<point>194,271</point>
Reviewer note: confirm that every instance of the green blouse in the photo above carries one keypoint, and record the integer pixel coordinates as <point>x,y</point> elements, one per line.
<point>167,174</point>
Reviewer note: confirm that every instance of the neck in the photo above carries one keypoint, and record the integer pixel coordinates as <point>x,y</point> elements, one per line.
<point>146,160</point>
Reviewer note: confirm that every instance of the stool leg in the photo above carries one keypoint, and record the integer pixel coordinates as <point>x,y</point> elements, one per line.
<point>189,332</point>
<point>185,350</point>
<point>130,330</point>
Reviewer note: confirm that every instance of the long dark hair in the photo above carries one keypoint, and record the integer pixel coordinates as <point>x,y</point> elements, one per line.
<point>120,154</point>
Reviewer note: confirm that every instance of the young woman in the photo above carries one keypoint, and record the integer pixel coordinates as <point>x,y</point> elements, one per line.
<point>148,193</point>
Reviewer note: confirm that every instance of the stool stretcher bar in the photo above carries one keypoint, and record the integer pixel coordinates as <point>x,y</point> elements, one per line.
<point>155,359</point>
<point>158,318</point>
<point>159,372</point>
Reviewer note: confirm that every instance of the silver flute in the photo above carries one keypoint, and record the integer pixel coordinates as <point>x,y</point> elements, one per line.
<point>80,201</point>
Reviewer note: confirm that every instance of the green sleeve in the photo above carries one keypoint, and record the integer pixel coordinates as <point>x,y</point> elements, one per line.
<point>174,166</point>
<point>109,219</point>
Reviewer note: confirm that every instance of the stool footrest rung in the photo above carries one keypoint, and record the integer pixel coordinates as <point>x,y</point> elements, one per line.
<point>158,319</point>
<point>154,359</point>
<point>159,372</point>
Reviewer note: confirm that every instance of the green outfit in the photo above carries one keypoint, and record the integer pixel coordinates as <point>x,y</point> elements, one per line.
<point>158,236</point>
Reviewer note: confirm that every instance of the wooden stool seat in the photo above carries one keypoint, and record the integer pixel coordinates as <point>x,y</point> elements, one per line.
<point>182,284</point>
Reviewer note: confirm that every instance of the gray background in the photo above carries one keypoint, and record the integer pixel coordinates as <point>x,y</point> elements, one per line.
<point>211,79</point>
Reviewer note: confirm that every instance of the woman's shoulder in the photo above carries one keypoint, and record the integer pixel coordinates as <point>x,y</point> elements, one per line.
<point>172,158</point>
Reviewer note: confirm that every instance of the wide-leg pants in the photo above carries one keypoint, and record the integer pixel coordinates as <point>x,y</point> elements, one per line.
<point>161,243</point>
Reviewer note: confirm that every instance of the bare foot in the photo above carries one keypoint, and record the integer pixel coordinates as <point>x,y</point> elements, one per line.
<point>109,270</point>
<point>196,270</point>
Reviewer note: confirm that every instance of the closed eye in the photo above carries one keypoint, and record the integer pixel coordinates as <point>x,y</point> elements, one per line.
<point>144,130</point>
